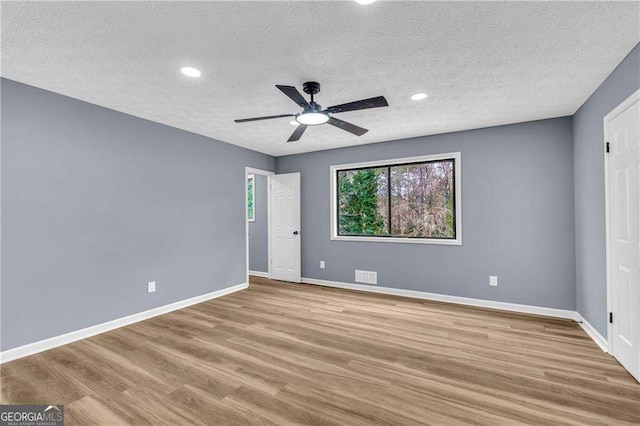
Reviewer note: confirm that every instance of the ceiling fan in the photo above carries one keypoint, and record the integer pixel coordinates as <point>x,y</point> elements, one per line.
<point>312,114</point>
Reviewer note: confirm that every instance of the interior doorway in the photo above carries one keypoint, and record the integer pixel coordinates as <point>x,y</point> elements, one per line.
<point>257,214</point>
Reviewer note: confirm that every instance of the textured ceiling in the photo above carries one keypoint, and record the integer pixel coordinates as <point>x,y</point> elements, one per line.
<point>482,63</point>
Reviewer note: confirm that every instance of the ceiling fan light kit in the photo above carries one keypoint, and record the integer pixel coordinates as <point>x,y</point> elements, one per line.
<point>312,118</point>
<point>313,115</point>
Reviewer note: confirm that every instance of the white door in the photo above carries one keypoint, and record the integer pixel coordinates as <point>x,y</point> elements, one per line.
<point>624,191</point>
<point>285,227</point>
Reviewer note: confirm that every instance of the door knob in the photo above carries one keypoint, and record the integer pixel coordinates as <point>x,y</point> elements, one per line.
<point>295,232</point>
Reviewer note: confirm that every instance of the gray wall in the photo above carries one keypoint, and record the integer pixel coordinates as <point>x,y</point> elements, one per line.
<point>517,212</point>
<point>96,203</point>
<point>258,237</point>
<point>588,139</point>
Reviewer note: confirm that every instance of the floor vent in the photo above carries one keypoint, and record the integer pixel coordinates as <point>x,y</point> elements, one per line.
<point>367,277</point>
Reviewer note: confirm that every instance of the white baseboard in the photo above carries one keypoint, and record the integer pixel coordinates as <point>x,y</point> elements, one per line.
<point>63,339</point>
<point>259,274</point>
<point>593,333</point>
<point>512,307</point>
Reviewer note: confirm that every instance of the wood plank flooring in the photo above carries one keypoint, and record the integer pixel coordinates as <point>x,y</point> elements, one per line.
<point>280,353</point>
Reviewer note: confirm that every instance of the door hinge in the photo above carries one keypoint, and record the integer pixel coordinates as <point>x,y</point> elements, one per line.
<point>608,147</point>
<point>611,317</point>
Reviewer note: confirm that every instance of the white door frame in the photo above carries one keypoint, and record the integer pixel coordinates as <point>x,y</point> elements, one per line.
<point>607,119</point>
<point>251,171</point>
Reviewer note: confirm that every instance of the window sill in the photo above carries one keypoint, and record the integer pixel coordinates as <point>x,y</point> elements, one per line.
<point>456,242</point>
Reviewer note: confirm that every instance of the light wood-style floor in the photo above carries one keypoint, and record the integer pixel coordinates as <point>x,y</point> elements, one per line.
<point>281,353</point>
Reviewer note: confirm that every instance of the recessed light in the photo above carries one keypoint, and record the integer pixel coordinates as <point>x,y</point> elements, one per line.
<point>419,96</point>
<point>365,2</point>
<point>190,72</point>
<point>294,123</point>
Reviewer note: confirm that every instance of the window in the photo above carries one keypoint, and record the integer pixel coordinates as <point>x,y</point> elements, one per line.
<point>251,196</point>
<point>412,200</point>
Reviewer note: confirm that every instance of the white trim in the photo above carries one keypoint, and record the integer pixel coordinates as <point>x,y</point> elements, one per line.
<point>458,190</point>
<point>512,307</point>
<point>434,241</point>
<point>593,333</point>
<point>247,172</point>
<point>269,209</point>
<point>259,274</point>
<point>607,213</point>
<point>251,170</point>
<point>63,339</point>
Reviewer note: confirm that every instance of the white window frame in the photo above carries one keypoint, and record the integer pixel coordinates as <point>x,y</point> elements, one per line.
<point>456,156</point>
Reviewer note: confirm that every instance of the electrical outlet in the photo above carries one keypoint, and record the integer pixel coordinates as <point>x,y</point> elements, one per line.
<point>151,287</point>
<point>322,264</point>
<point>493,280</point>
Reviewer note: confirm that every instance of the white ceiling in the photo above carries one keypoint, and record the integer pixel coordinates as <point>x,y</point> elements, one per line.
<point>483,64</point>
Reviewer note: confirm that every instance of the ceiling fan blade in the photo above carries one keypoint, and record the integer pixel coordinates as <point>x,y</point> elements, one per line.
<point>376,102</point>
<point>351,128</point>
<point>297,133</point>
<point>295,96</point>
<point>244,120</point>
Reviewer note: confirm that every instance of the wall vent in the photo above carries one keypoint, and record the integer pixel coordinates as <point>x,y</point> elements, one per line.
<point>367,277</point>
